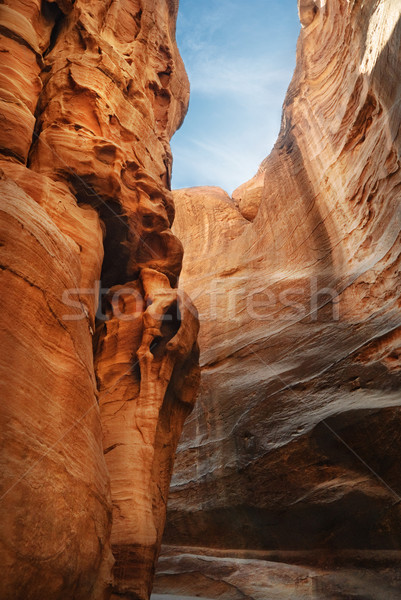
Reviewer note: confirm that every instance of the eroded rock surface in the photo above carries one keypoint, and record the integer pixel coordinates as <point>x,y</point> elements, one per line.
<point>91,93</point>
<point>295,441</point>
<point>184,576</point>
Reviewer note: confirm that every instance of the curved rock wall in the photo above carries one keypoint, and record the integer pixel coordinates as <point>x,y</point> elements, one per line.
<point>295,441</point>
<point>91,93</point>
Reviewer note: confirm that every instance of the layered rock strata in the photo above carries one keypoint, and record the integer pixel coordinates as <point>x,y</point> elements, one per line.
<point>91,93</point>
<point>295,442</point>
<point>183,576</point>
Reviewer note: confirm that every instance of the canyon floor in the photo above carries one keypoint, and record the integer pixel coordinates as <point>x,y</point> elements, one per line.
<point>184,576</point>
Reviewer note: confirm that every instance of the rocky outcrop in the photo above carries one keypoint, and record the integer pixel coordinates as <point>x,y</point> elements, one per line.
<point>91,93</point>
<point>295,441</point>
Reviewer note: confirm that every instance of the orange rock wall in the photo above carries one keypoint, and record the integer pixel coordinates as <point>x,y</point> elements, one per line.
<point>295,441</point>
<point>91,93</point>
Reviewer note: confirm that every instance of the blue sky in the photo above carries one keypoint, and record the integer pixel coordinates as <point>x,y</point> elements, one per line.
<point>240,57</point>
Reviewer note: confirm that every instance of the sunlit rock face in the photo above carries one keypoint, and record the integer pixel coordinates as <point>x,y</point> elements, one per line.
<point>295,442</point>
<point>91,93</point>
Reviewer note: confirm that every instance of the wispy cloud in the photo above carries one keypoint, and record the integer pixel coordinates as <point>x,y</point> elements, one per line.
<point>205,162</point>
<point>199,21</point>
<point>246,78</point>
<point>239,64</point>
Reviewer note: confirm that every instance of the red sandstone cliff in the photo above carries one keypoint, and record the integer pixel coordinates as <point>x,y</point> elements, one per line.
<point>295,442</point>
<point>91,93</point>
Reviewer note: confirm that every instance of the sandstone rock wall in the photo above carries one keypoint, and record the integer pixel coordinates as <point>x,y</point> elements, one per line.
<point>295,441</point>
<point>91,93</point>
<point>213,574</point>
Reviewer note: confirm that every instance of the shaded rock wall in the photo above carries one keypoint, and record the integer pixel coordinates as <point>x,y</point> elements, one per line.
<point>295,441</point>
<point>181,576</point>
<point>91,93</point>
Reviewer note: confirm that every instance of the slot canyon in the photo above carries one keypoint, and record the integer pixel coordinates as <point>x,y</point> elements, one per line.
<point>201,392</point>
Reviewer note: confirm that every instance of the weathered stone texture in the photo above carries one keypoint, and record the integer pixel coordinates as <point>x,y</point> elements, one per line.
<point>295,441</point>
<point>91,93</point>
